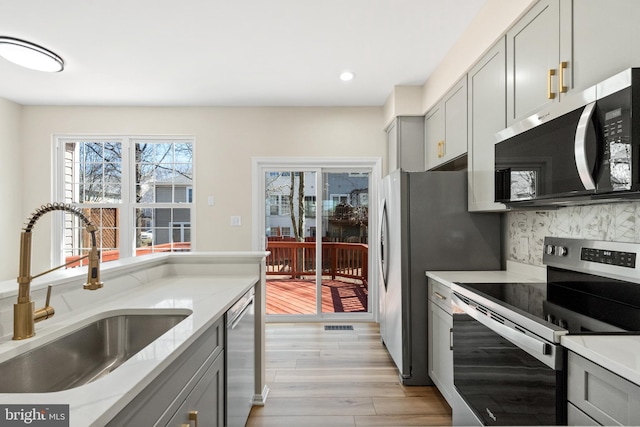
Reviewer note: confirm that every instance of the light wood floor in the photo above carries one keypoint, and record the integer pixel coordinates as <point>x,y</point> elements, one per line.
<point>321,378</point>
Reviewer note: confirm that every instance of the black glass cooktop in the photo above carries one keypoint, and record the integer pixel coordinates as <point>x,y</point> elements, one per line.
<point>578,302</point>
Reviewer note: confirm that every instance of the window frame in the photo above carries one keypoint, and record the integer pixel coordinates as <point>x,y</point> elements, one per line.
<point>127,205</point>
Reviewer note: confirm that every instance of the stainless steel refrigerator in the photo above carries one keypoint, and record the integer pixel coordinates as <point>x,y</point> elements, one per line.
<point>425,226</point>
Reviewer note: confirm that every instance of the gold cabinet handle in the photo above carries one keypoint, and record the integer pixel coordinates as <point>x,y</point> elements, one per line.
<point>561,87</point>
<point>550,74</point>
<point>440,149</point>
<point>439,296</point>
<point>193,416</point>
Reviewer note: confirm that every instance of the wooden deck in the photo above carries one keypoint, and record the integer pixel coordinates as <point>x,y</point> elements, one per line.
<point>298,296</point>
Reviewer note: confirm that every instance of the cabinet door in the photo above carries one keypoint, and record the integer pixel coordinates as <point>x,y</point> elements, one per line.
<point>487,115</point>
<point>434,136</point>
<point>455,121</point>
<point>604,39</point>
<point>392,146</point>
<point>440,352</point>
<point>533,52</point>
<point>205,404</point>
<point>405,137</point>
<point>602,395</point>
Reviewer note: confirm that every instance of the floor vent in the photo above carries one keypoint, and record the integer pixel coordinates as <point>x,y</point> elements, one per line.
<point>338,327</point>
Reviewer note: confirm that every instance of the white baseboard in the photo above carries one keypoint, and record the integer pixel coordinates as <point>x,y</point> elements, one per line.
<point>261,399</point>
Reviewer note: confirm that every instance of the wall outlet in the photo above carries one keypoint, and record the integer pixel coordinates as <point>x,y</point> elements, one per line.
<point>210,200</point>
<point>236,221</point>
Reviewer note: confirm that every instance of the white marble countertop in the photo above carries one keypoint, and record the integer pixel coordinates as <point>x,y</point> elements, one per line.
<point>514,273</point>
<point>206,297</point>
<point>619,354</point>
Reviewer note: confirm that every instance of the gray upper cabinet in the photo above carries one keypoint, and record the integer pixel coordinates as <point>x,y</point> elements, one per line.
<point>602,40</point>
<point>405,138</point>
<point>487,115</point>
<point>434,135</point>
<point>446,127</point>
<point>533,56</point>
<point>562,46</point>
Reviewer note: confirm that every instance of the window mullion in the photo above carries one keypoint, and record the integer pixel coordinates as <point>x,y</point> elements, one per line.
<point>126,225</point>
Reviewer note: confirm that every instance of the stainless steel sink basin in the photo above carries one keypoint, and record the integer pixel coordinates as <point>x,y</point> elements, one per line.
<point>85,354</point>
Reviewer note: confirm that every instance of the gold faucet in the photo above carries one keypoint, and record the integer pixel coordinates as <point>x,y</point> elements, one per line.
<point>24,313</point>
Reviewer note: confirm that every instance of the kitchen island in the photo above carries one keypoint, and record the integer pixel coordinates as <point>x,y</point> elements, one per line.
<point>201,285</point>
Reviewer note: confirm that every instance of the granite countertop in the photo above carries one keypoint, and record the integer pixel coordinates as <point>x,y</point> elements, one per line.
<point>206,297</point>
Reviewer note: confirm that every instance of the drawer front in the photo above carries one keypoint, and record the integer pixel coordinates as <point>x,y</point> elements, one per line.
<point>440,295</point>
<point>575,417</point>
<point>604,396</point>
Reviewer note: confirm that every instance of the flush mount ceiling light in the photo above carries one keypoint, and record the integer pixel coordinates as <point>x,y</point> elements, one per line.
<point>346,76</point>
<point>30,55</point>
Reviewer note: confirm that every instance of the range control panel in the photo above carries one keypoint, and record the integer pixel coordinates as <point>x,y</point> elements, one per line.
<point>622,259</point>
<point>612,259</point>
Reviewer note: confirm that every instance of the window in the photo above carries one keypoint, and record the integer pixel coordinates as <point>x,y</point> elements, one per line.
<point>310,206</point>
<point>279,205</point>
<point>138,191</point>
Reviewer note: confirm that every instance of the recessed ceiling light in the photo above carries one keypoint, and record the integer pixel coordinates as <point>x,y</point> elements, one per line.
<point>345,76</point>
<point>30,55</point>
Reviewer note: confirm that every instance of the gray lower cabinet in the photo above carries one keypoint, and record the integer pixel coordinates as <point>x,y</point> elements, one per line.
<point>575,417</point>
<point>197,375</point>
<point>600,395</point>
<point>204,406</point>
<point>405,139</point>
<point>487,115</point>
<point>439,343</point>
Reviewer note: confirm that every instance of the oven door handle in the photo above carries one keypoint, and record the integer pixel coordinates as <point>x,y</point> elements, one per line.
<point>521,339</point>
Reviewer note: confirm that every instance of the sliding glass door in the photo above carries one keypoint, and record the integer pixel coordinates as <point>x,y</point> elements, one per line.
<point>316,226</point>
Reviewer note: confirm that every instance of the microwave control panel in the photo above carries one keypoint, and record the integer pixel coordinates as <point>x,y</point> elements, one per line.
<point>616,127</point>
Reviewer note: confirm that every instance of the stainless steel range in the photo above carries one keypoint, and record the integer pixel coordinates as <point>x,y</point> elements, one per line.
<point>509,366</point>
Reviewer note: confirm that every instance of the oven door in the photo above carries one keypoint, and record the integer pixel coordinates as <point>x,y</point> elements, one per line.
<point>499,377</point>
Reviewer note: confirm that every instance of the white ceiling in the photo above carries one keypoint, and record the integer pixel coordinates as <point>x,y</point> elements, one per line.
<point>229,52</point>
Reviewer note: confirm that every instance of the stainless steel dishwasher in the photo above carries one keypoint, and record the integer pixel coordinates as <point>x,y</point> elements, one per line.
<point>240,360</point>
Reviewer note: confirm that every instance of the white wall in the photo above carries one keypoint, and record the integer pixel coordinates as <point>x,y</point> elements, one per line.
<point>11,214</point>
<point>226,140</point>
<point>492,21</point>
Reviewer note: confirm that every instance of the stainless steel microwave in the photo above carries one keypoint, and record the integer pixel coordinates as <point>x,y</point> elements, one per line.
<point>582,150</point>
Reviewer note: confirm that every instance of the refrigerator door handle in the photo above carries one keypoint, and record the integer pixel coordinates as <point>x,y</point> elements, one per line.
<point>384,244</point>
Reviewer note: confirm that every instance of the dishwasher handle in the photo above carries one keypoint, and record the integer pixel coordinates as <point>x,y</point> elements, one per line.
<point>233,322</point>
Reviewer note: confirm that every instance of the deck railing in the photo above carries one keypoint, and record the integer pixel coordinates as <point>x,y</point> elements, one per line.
<point>296,259</point>
<point>114,254</point>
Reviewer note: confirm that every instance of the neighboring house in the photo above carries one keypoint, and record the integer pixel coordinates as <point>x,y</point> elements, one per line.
<point>169,225</point>
<point>346,195</point>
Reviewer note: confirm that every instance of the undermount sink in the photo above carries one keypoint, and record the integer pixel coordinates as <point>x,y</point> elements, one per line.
<point>85,354</point>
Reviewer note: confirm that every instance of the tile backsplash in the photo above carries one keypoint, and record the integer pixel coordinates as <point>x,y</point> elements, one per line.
<point>526,230</point>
